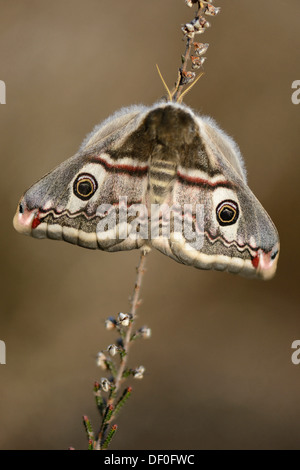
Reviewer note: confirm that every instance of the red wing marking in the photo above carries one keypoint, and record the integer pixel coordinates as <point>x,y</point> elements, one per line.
<point>121,168</point>
<point>202,182</point>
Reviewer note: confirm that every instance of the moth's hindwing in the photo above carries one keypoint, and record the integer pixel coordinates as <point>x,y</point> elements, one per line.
<point>162,177</point>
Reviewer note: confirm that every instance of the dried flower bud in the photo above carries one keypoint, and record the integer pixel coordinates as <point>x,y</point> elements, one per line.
<point>200,48</point>
<point>112,349</point>
<point>145,332</point>
<point>188,30</point>
<point>97,387</point>
<point>189,27</point>
<point>110,323</point>
<point>200,24</point>
<point>197,62</point>
<point>124,319</point>
<point>190,2</point>
<point>105,384</point>
<point>211,10</point>
<point>100,361</point>
<point>187,77</point>
<point>138,373</point>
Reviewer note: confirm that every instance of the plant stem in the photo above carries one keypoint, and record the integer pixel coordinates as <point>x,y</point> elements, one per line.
<point>134,305</point>
<point>189,44</point>
<point>135,302</point>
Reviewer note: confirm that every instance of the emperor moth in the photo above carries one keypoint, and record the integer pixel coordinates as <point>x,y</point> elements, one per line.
<point>164,155</point>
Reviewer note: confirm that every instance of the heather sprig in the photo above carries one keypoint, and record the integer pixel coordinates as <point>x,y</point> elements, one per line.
<point>192,60</point>
<point>109,393</point>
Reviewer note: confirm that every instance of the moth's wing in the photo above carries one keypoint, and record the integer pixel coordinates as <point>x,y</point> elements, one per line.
<point>210,171</point>
<point>113,159</point>
<point>221,146</point>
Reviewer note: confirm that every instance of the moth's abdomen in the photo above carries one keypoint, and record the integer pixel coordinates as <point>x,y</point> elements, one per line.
<point>161,179</point>
<point>171,131</point>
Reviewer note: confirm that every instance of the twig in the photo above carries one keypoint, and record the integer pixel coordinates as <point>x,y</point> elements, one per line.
<point>197,26</point>
<point>109,408</point>
<point>182,79</point>
<point>135,302</point>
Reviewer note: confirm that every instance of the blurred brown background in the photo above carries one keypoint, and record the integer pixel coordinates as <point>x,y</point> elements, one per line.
<point>219,370</point>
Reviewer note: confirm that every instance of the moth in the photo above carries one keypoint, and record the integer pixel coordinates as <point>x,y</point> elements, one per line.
<point>164,156</point>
